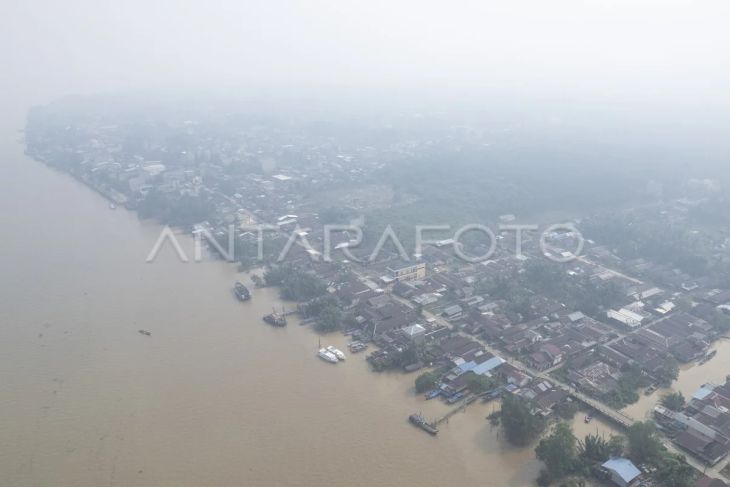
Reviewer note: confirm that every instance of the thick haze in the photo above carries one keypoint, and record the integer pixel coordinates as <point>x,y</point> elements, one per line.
<point>650,51</point>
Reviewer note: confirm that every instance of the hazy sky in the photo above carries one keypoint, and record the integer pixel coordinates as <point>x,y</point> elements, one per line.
<point>606,49</point>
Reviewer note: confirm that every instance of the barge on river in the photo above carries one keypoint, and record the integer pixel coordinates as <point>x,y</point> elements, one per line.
<point>420,421</point>
<point>275,319</point>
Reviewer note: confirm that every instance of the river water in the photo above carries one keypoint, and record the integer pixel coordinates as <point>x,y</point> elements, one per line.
<point>213,397</point>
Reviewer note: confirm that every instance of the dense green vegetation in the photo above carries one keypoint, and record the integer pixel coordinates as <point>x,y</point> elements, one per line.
<point>673,401</point>
<point>479,383</point>
<point>674,471</point>
<point>625,393</point>
<point>568,459</point>
<point>397,360</point>
<point>644,443</point>
<point>668,372</point>
<point>632,236</point>
<point>427,381</point>
<point>181,211</point>
<point>331,318</point>
<point>328,314</point>
<point>597,449</point>
<point>480,183</point>
<point>558,452</point>
<point>645,447</point>
<point>567,409</point>
<point>294,283</point>
<point>519,424</point>
<point>564,455</point>
<point>550,279</point>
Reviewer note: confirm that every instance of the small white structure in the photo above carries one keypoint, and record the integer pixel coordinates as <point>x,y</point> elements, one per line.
<point>626,317</point>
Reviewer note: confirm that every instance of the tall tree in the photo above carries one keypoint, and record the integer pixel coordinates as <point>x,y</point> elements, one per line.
<point>644,444</point>
<point>558,451</point>
<point>668,373</point>
<point>674,471</point>
<point>673,401</point>
<point>519,424</point>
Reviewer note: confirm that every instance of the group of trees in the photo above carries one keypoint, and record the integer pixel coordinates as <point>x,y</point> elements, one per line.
<point>427,381</point>
<point>632,378</point>
<point>547,278</point>
<point>673,401</point>
<point>558,452</point>
<point>331,318</point>
<point>479,383</point>
<point>645,447</point>
<point>633,236</point>
<point>327,313</point>
<point>576,292</point>
<point>396,359</point>
<point>298,285</point>
<point>668,372</point>
<point>181,211</point>
<point>564,455</point>
<point>520,426</point>
<point>294,284</point>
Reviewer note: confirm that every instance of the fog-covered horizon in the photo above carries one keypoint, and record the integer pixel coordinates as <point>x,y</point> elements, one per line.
<point>647,53</point>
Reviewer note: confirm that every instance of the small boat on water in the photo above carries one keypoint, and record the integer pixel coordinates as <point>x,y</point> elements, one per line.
<point>420,421</point>
<point>112,206</point>
<point>356,347</point>
<point>336,352</point>
<point>588,418</point>
<point>275,319</point>
<point>433,394</point>
<point>327,356</point>
<point>144,332</point>
<point>241,291</point>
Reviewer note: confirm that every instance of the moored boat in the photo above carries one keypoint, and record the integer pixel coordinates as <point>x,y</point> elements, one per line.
<point>420,421</point>
<point>433,394</point>
<point>241,291</point>
<point>275,319</point>
<point>336,352</point>
<point>327,356</point>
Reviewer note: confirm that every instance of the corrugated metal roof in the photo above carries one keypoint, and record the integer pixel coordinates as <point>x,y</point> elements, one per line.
<point>623,467</point>
<point>702,393</point>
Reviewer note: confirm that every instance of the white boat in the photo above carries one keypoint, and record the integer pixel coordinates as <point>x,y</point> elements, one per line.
<point>327,356</point>
<point>337,352</point>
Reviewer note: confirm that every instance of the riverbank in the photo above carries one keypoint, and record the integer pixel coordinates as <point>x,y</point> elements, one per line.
<point>214,396</point>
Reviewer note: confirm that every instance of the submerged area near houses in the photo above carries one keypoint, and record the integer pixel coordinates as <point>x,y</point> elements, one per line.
<point>575,343</point>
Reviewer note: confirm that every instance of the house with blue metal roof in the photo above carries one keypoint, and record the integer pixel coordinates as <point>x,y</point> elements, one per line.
<point>623,472</point>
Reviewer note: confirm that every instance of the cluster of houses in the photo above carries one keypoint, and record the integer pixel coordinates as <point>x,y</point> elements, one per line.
<point>591,353</point>
<point>703,427</point>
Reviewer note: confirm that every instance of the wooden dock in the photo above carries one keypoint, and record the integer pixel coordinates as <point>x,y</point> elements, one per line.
<point>460,408</point>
